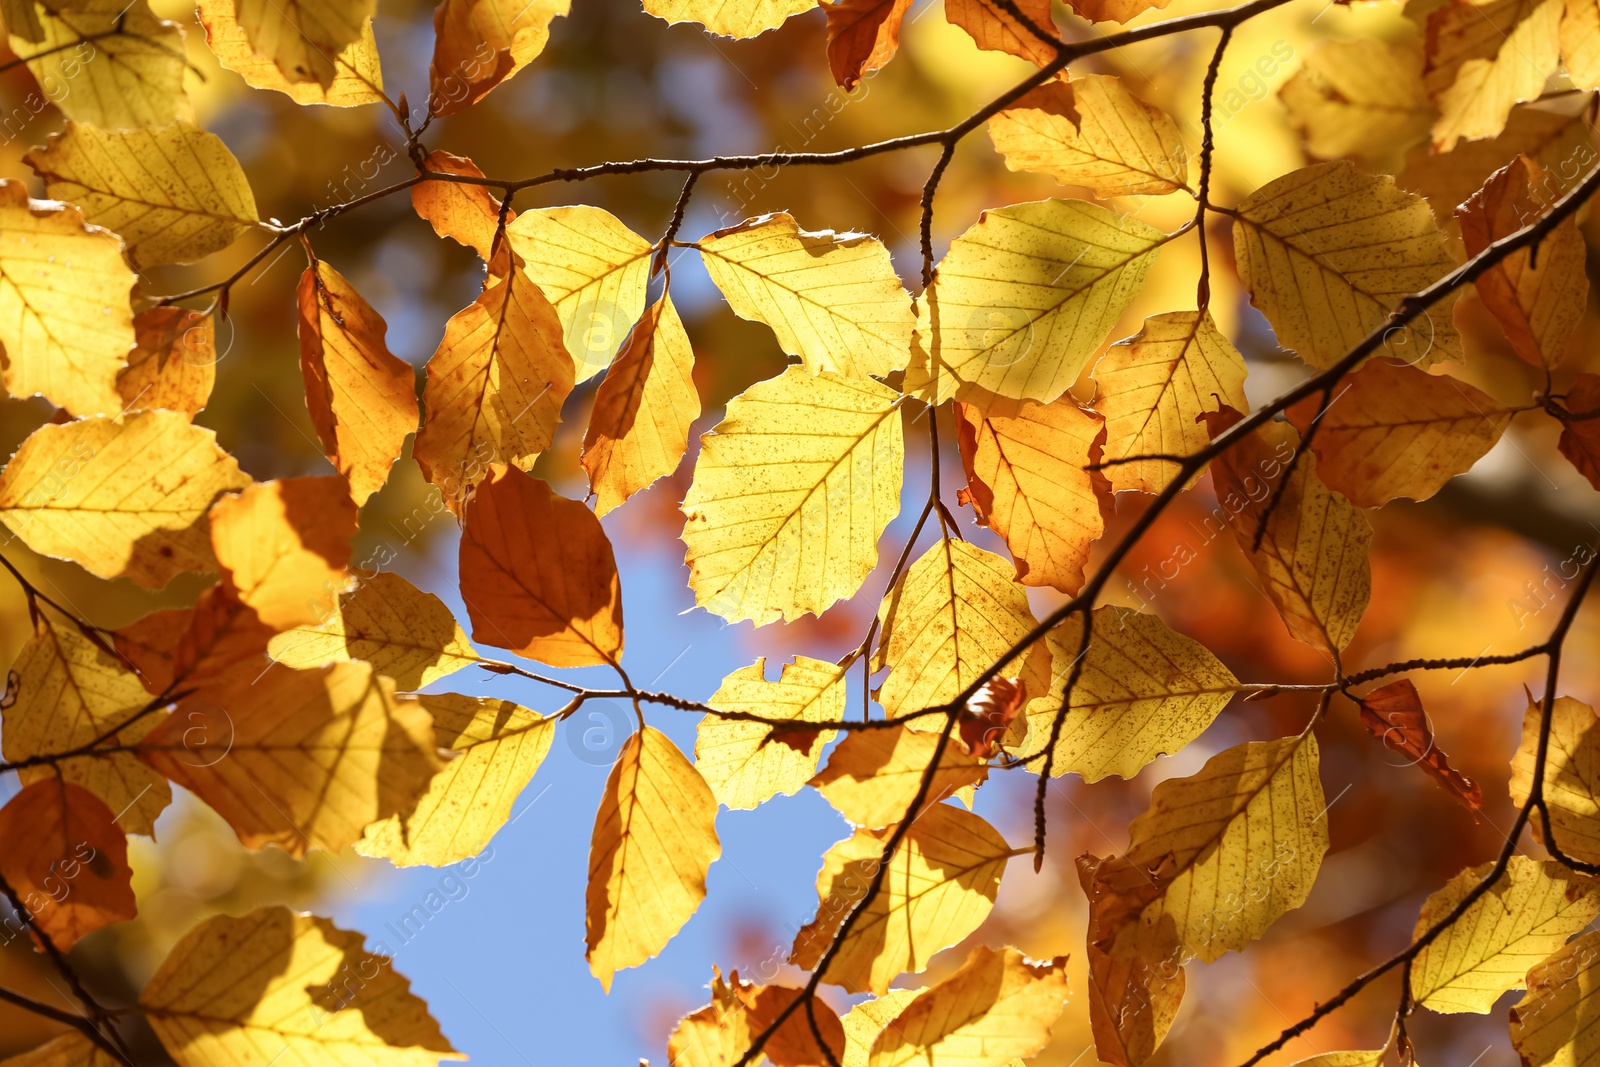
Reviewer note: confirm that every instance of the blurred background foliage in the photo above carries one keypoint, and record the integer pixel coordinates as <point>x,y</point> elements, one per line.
<point>1474,570</point>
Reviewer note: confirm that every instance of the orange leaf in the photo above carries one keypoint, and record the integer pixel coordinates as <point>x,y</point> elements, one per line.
<point>174,363</point>
<point>466,213</point>
<point>1393,714</point>
<point>863,35</point>
<point>61,852</point>
<point>1580,432</point>
<point>284,546</point>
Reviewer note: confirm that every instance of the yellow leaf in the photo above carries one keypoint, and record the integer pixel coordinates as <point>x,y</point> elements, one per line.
<point>63,856</point>
<point>129,74</point>
<point>66,692</point>
<point>407,634</point>
<point>65,323</point>
<point>122,499</point>
<point>495,385</point>
<point>173,193</point>
<point>538,575</point>
<point>1483,57</point>
<point>1529,913</point>
<point>1571,776</point>
<point>714,1036</point>
<point>864,1022</point>
<point>940,885</point>
<point>593,269</point>
<point>833,299</point>
<point>1555,1023</point>
<point>1361,98</point>
<point>342,76</point>
<point>1023,299</point>
<point>362,399</point>
<point>872,777</point>
<point>1093,132</point>
<point>480,43</point>
<point>1152,389</point>
<point>791,492</point>
<point>498,746</point>
<point>1134,994</point>
<point>1580,42</point>
<point>1143,691</point>
<point>1395,431</point>
<point>995,30</point>
<point>294,986</point>
<point>460,211</point>
<point>173,364</point>
<point>744,18</point>
<point>654,839</point>
<point>71,1049</point>
<point>1313,557</point>
<point>1220,855</point>
<point>311,758</point>
<point>283,547</point>
<point>639,427</point>
<point>1352,1058</point>
<point>1114,10</point>
<point>745,763</point>
<point>1028,480</point>
<point>1328,252</point>
<point>946,622</point>
<point>996,1006</point>
<point>1537,306</point>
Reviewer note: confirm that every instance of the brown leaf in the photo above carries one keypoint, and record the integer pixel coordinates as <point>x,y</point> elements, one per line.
<point>1580,428</point>
<point>863,35</point>
<point>1393,714</point>
<point>61,852</point>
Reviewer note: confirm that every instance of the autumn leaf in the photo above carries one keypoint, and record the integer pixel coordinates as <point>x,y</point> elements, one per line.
<point>954,614</point>
<point>1194,861</point>
<point>1580,429</point>
<point>639,427</point>
<point>1537,306</point>
<point>1134,996</point>
<point>65,323</point>
<point>863,35</point>
<point>71,1049</point>
<point>464,212</point>
<point>996,1006</point>
<point>1394,715</point>
<point>537,573</point>
<point>873,776</point>
<point>309,758</point>
<point>864,1022</point>
<point>514,32</point>
<point>121,498</point>
<point>715,1035</point>
<point>1141,691</point>
<point>1023,299</point>
<point>742,18</point>
<point>832,299</point>
<point>1361,99</point>
<point>1153,389</point>
<point>654,840</point>
<point>263,48</point>
<point>747,763</point>
<point>197,650</point>
<point>1313,556</point>
<point>794,1042</point>
<point>173,364</point>
<point>363,400</point>
<point>1483,57</point>
<point>939,887</point>
<point>1396,431</point>
<point>1555,1022</point>
<point>593,269</point>
<point>283,547</point>
<point>66,860</point>
<point>1579,37</point>
<point>1529,914</point>
<point>996,30</point>
<point>278,980</point>
<point>498,746</point>
<point>1328,253</point>
<point>1093,132</point>
<point>1028,479</point>
<point>1571,777</point>
<point>133,76</point>
<point>791,452</point>
<point>404,633</point>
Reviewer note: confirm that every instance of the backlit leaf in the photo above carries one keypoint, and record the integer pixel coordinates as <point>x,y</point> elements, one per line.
<point>343,76</point>
<point>461,211</point>
<point>994,29</point>
<point>63,855</point>
<point>745,763</point>
<point>741,18</point>
<point>1571,777</point>
<point>480,43</point>
<point>1394,715</point>
<point>863,35</point>
<point>1555,1023</point>
<point>174,363</point>
<point>1361,98</point>
<point>130,74</point>
<point>1483,56</point>
<point>284,545</point>
<point>872,777</point>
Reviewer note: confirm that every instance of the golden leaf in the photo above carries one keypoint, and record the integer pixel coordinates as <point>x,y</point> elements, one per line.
<point>480,43</point>
<point>833,299</point>
<point>1028,480</point>
<point>173,364</point>
<point>1153,388</point>
<point>715,1035</point>
<point>1571,777</point>
<point>995,30</point>
<point>123,499</point>
<point>310,758</point>
<point>362,399</point>
<point>71,1049</point>
<point>639,427</point>
<point>129,74</point>
<point>283,547</point>
<point>1579,38</point>
<point>460,211</point>
<point>864,1022</point>
<point>654,839</point>
<point>791,492</point>
<point>63,856</point>
<point>537,573</point>
<point>1483,57</point>
<point>745,18</point>
<point>1023,299</point>
<point>498,746</point>
<point>747,763</point>
<point>1554,1024</point>
<point>1093,132</point>
<point>1361,98</point>
<point>872,777</point>
<point>342,75</point>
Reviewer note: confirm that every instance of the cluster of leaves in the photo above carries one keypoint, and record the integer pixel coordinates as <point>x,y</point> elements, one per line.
<point>311,677</point>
